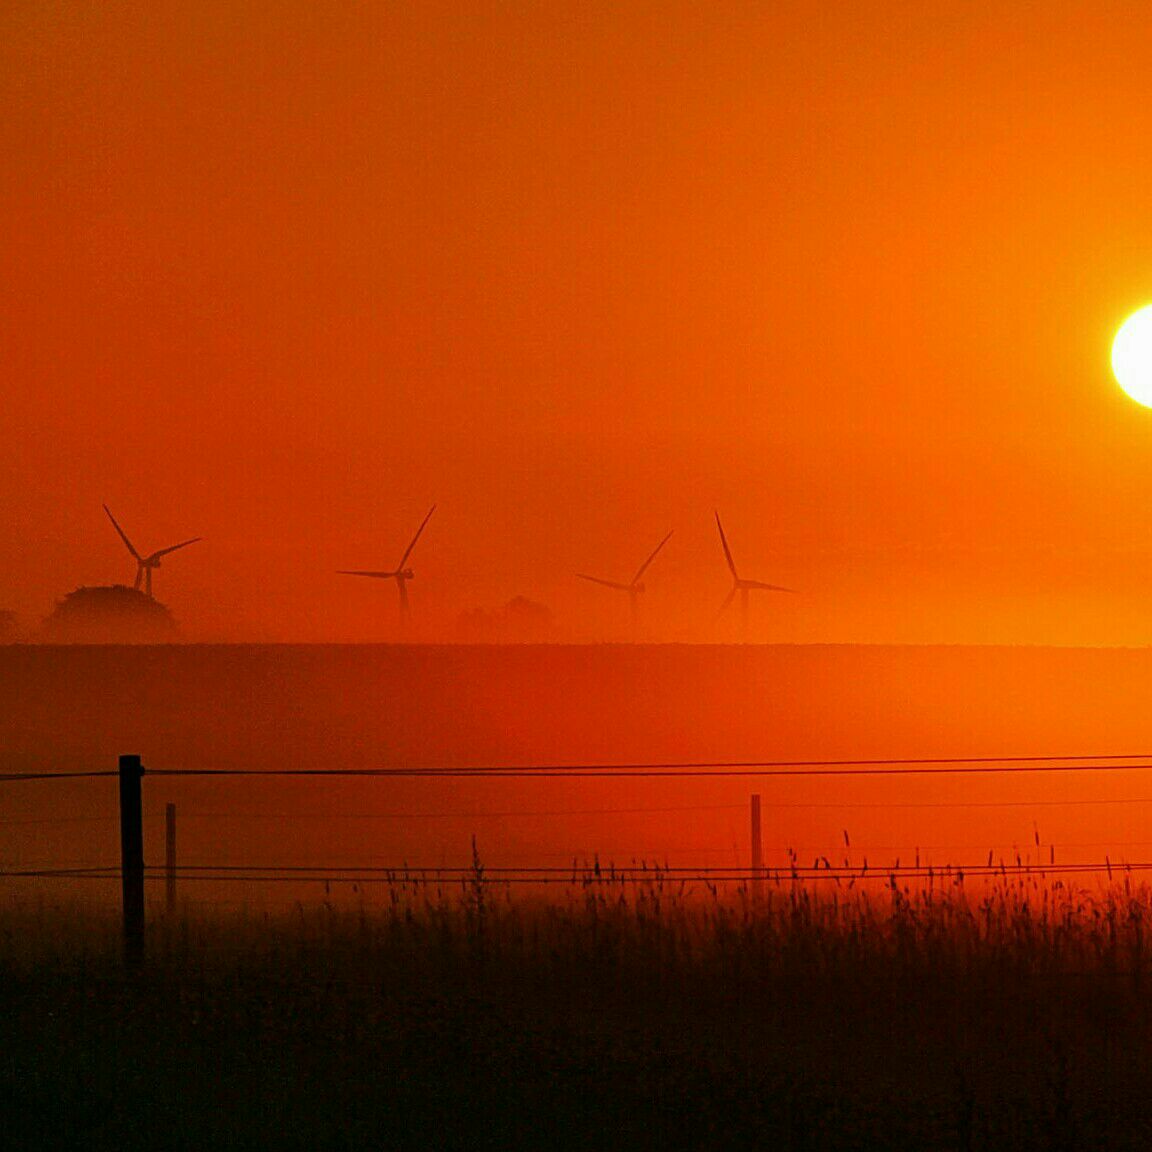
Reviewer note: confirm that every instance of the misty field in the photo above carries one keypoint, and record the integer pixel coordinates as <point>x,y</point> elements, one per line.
<point>1016,1015</point>
<point>1012,1013</point>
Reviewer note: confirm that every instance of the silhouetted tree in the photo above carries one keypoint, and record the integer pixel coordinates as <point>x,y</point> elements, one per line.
<point>112,614</point>
<point>520,621</point>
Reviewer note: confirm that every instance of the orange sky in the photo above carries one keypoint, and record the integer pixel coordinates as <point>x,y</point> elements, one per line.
<point>284,274</point>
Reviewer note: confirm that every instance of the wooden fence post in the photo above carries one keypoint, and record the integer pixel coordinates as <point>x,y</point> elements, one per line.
<point>170,857</point>
<point>132,859</point>
<point>757,846</point>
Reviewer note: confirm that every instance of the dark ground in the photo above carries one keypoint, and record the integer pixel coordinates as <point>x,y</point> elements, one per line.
<point>340,1045</point>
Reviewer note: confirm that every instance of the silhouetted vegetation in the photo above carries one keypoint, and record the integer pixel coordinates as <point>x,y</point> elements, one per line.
<point>114,614</point>
<point>520,621</point>
<point>610,1016</point>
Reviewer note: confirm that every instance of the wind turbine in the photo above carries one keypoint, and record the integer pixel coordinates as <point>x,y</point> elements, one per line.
<point>635,590</point>
<point>145,565</point>
<point>741,586</point>
<point>401,574</point>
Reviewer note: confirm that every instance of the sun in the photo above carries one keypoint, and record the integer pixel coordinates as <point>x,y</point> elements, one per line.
<point>1132,356</point>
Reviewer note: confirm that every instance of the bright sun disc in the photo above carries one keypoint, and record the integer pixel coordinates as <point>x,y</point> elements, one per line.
<point>1132,356</point>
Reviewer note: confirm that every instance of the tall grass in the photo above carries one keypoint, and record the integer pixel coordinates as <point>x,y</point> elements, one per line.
<point>645,921</point>
<point>601,1012</point>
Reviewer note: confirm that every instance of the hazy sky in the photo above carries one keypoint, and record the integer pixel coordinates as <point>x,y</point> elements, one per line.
<point>284,274</point>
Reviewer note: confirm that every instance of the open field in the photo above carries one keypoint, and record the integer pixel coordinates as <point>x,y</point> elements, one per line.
<point>265,707</point>
<point>882,1012</point>
<point>609,1017</point>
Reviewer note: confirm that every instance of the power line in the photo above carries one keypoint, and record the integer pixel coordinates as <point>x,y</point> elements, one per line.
<point>608,876</point>
<point>952,765</point>
<point>454,815</point>
<point>96,872</point>
<point>842,767</point>
<point>60,820</point>
<point>768,805</point>
<point>6,777</point>
<point>586,868</point>
<point>741,763</point>
<point>959,803</point>
<point>585,875</point>
<point>833,805</point>
<point>611,771</point>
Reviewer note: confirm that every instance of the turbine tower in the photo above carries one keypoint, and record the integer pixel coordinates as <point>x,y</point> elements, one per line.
<point>401,574</point>
<point>145,565</point>
<point>744,587</point>
<point>635,590</point>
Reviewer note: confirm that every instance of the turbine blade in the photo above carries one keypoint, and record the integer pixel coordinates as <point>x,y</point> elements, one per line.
<point>727,600</point>
<point>606,583</point>
<point>372,575</point>
<point>123,535</point>
<point>655,552</point>
<point>408,550</point>
<point>727,550</point>
<point>766,587</point>
<point>175,548</point>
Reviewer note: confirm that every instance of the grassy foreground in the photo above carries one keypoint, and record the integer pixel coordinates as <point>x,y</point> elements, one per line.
<point>607,1016</point>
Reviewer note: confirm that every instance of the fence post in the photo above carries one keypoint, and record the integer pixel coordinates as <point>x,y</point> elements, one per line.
<point>170,857</point>
<point>132,859</point>
<point>757,846</point>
